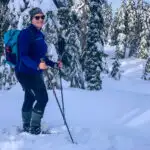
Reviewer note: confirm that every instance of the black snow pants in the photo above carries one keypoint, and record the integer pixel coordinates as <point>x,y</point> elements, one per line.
<point>35,92</point>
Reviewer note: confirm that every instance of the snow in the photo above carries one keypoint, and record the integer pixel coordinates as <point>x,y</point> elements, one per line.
<point>115,118</point>
<point>52,52</point>
<point>17,4</point>
<point>99,46</point>
<point>110,50</point>
<point>45,5</point>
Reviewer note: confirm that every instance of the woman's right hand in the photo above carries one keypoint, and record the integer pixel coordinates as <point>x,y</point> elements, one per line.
<point>43,66</point>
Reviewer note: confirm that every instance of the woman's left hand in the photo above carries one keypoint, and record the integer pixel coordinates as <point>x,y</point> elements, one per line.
<point>59,64</point>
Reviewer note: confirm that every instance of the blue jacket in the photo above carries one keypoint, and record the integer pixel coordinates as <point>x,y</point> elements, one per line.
<point>31,49</point>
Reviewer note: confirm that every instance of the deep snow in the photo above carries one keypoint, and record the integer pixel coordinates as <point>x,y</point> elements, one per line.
<point>115,118</point>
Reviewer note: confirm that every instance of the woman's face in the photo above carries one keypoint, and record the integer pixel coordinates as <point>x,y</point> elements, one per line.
<point>38,20</point>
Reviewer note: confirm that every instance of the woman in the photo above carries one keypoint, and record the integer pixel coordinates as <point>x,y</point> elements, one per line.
<point>32,49</point>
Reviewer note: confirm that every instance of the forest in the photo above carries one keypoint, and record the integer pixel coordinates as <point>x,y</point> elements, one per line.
<point>83,29</point>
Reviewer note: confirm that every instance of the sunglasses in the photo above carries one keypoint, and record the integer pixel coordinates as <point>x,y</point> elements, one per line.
<point>38,17</point>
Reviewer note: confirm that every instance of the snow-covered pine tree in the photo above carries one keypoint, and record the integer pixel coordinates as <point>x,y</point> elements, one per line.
<point>132,37</point>
<point>146,74</point>
<point>18,16</point>
<point>1,72</point>
<point>73,48</point>
<point>70,55</point>
<point>50,32</point>
<point>122,28</point>
<point>145,39</point>
<point>94,49</point>
<point>114,31</point>
<point>50,28</point>
<point>107,14</point>
<point>115,72</point>
<point>4,23</point>
<point>64,18</point>
<point>7,77</point>
<point>63,3</point>
<point>1,85</point>
<point>144,45</point>
<point>108,18</point>
<point>139,22</point>
<point>82,10</point>
<point>69,3</point>
<point>147,11</point>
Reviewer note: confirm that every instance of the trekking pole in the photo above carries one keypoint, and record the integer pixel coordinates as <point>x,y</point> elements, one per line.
<point>64,118</point>
<point>62,96</point>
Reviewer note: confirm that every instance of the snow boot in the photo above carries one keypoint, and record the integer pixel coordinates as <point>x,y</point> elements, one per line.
<point>26,118</point>
<point>35,126</point>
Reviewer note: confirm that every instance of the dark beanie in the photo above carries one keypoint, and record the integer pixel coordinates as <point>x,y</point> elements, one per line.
<point>35,11</point>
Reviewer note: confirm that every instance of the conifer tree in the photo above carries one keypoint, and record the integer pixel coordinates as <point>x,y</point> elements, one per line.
<point>122,28</point>
<point>108,18</point>
<point>146,74</point>
<point>115,72</point>
<point>50,32</point>
<point>144,43</point>
<point>73,47</point>
<point>94,49</point>
<point>114,31</point>
<point>4,23</point>
<point>132,37</point>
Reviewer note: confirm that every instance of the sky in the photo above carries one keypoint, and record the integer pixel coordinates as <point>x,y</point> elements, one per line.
<point>115,3</point>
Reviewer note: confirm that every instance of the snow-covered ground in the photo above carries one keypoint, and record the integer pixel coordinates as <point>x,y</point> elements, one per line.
<point>115,118</point>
